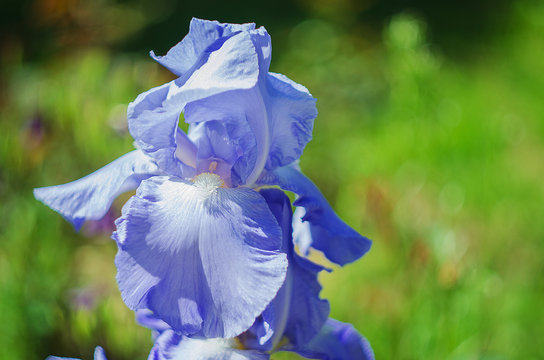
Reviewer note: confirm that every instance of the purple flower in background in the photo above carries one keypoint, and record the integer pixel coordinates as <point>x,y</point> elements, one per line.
<point>104,226</point>
<point>34,132</point>
<point>198,246</point>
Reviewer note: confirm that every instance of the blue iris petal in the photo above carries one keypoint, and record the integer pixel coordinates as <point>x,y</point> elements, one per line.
<point>202,34</point>
<point>90,198</point>
<point>338,341</point>
<point>99,354</point>
<point>308,311</point>
<point>291,111</point>
<point>156,133</point>
<point>327,232</point>
<point>145,317</point>
<point>232,65</point>
<point>173,346</point>
<point>296,312</point>
<point>277,113</point>
<point>205,260</point>
<point>243,113</point>
<point>224,77</point>
<point>153,117</point>
<point>214,147</point>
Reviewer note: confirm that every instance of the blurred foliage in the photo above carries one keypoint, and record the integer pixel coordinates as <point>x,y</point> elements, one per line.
<point>43,28</point>
<point>436,156</point>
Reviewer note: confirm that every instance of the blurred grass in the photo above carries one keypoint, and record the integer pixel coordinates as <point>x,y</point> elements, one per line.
<point>439,161</point>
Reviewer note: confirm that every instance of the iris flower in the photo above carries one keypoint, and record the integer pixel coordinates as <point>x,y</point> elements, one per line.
<point>198,245</point>
<point>296,319</point>
<point>335,341</point>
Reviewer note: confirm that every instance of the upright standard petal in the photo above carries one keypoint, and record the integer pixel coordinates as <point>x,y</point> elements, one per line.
<point>336,341</point>
<point>153,117</point>
<point>327,232</point>
<point>224,77</point>
<point>185,55</point>
<point>90,198</point>
<point>291,111</point>
<point>205,259</point>
<point>297,312</point>
<point>172,346</point>
<point>155,131</point>
<point>276,112</point>
<point>271,123</point>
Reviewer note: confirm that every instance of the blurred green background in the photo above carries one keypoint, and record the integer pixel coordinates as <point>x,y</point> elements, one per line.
<point>429,140</point>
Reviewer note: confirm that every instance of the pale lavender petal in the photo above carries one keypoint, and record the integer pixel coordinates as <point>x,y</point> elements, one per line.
<point>263,46</point>
<point>155,131</point>
<point>153,117</point>
<point>90,198</point>
<point>244,118</point>
<point>185,55</point>
<point>232,66</point>
<point>172,346</point>
<point>243,110</point>
<point>204,259</point>
<point>267,117</point>
<point>215,149</point>
<point>271,123</point>
<point>291,112</point>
